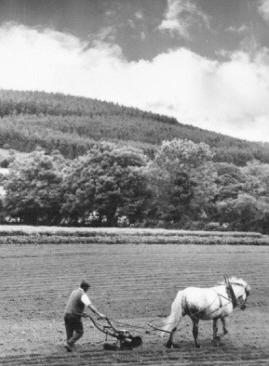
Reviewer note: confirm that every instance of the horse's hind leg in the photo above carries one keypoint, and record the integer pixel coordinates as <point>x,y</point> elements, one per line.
<point>169,343</point>
<point>195,331</point>
<point>216,339</point>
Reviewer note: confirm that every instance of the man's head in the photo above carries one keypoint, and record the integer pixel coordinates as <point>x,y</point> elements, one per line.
<point>85,285</point>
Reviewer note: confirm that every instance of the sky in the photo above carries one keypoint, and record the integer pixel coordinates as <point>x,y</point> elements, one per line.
<point>204,62</point>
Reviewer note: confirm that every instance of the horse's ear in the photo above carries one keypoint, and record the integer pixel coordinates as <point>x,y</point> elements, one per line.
<point>225,279</point>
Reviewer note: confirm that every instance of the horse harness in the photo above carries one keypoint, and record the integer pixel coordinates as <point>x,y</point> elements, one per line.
<point>231,298</point>
<point>231,295</point>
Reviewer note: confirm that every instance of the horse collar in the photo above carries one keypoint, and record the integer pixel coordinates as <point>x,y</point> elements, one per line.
<point>231,294</point>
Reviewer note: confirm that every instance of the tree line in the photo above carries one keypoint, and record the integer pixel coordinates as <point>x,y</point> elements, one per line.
<point>72,125</point>
<point>180,186</point>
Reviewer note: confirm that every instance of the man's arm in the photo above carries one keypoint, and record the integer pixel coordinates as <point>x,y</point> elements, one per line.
<point>93,309</point>
<point>87,302</point>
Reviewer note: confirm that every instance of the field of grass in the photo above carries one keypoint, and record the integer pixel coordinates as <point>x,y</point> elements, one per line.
<point>132,284</point>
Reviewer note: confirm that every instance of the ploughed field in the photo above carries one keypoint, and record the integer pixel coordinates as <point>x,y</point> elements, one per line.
<point>132,284</point>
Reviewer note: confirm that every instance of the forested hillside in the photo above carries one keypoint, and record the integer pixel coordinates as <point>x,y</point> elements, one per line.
<point>90,163</point>
<point>72,124</point>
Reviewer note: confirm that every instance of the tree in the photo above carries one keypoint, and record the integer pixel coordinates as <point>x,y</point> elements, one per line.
<point>257,175</point>
<point>33,189</point>
<point>108,182</point>
<point>230,181</point>
<point>245,213</point>
<point>183,179</point>
<point>243,196</point>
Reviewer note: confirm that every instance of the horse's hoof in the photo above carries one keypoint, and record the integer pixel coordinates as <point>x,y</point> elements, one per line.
<point>216,341</point>
<point>168,345</point>
<point>198,345</point>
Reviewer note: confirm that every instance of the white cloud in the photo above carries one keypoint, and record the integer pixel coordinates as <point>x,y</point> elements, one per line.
<point>229,97</point>
<point>263,9</point>
<point>180,16</point>
<point>139,15</point>
<point>240,29</point>
<point>53,61</point>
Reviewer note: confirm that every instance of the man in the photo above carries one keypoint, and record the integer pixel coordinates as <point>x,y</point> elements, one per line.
<point>73,313</point>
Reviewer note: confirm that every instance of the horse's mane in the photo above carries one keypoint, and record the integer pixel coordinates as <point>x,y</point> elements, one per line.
<point>234,280</point>
<point>237,281</point>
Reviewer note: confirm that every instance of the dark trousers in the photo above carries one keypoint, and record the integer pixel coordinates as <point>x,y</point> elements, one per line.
<point>74,328</point>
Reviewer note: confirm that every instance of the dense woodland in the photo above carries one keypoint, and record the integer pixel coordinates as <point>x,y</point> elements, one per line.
<point>93,163</point>
<point>72,124</point>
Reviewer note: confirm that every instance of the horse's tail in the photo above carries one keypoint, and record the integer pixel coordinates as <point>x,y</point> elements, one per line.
<point>177,312</point>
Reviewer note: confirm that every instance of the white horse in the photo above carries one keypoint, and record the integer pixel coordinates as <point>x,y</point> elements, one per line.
<point>206,304</point>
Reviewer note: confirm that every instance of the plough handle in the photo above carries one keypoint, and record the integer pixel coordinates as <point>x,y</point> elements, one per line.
<point>111,325</point>
<point>108,329</point>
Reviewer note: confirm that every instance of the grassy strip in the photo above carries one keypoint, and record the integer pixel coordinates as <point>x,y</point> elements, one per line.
<point>59,235</point>
<point>127,239</point>
<point>6,230</point>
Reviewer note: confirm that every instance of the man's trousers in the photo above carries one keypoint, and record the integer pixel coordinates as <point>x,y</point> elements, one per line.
<point>74,328</point>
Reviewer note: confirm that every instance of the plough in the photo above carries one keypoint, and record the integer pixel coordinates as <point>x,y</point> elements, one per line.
<point>125,340</point>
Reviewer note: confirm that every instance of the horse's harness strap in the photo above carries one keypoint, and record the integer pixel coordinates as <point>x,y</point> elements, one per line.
<point>231,294</point>
<point>220,301</point>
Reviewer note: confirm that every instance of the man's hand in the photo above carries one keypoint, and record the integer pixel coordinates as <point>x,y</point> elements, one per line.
<point>84,315</point>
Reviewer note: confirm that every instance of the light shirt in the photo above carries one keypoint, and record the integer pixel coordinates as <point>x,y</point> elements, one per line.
<point>76,302</point>
<point>85,299</point>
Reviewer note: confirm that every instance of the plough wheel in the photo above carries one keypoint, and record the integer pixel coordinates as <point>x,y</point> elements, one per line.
<point>127,344</point>
<point>110,346</point>
<point>136,341</point>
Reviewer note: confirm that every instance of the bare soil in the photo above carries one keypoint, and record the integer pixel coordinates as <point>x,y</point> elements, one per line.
<point>132,284</point>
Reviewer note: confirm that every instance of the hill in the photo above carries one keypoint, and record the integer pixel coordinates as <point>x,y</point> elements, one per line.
<point>72,124</point>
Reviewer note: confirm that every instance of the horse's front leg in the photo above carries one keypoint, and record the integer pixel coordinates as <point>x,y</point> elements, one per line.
<point>169,343</point>
<point>225,331</point>
<point>195,331</point>
<point>216,339</point>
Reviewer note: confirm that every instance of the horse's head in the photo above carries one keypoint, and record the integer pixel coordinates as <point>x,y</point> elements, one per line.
<point>241,291</point>
<point>243,299</point>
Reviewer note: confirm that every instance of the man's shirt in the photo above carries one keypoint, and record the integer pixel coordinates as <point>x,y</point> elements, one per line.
<point>77,302</point>
<point>85,298</point>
